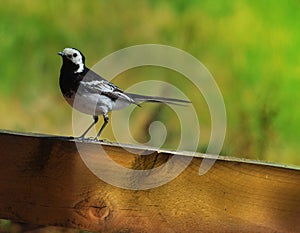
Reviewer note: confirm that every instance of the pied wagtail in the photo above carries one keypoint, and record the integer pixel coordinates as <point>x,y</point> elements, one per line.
<point>94,95</point>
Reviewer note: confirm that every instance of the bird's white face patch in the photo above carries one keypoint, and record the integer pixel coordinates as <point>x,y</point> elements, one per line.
<point>76,57</point>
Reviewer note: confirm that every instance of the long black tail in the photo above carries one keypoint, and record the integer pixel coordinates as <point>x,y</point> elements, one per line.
<point>156,99</point>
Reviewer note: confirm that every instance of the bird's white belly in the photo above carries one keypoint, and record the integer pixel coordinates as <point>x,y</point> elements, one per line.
<point>95,104</point>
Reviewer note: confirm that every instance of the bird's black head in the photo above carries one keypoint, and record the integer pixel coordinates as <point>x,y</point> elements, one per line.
<point>74,59</point>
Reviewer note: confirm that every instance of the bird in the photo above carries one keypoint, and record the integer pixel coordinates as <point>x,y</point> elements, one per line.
<point>94,94</point>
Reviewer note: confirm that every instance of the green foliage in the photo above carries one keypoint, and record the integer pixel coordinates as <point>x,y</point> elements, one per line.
<point>251,48</point>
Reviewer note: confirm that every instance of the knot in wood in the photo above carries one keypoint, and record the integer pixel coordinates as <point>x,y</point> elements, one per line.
<point>100,211</point>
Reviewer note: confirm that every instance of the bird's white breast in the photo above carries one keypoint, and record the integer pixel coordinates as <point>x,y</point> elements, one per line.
<point>95,104</point>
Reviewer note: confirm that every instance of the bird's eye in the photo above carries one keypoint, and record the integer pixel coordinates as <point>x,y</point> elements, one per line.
<point>74,54</point>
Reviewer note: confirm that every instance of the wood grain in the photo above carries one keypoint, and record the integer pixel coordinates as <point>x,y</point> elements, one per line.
<point>44,181</point>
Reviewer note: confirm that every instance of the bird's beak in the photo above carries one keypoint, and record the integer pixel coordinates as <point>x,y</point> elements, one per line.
<point>61,53</point>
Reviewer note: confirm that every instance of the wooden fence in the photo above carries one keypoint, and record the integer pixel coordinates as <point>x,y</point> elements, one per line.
<point>43,181</point>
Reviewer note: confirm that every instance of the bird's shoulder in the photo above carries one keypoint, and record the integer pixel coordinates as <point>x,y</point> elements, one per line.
<point>96,83</point>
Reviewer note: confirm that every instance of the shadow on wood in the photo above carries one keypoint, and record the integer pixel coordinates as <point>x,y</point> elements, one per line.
<point>44,181</point>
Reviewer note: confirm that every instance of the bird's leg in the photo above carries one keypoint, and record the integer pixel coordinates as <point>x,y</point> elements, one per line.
<point>96,118</point>
<point>106,119</point>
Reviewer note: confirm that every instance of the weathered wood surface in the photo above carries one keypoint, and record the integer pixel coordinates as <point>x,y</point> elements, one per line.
<point>43,181</point>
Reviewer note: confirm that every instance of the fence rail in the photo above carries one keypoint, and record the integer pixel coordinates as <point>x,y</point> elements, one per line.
<point>44,181</point>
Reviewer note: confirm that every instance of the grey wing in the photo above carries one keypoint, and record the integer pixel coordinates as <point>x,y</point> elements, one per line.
<point>103,87</point>
<point>93,78</point>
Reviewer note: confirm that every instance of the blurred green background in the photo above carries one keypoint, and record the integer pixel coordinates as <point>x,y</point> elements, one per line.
<point>251,47</point>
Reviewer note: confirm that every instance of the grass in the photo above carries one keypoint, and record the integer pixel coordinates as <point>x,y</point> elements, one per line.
<point>251,48</point>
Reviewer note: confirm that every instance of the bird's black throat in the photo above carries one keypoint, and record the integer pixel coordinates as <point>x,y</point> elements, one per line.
<point>69,80</point>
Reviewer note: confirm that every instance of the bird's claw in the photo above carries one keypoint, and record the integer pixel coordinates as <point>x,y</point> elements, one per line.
<point>90,139</point>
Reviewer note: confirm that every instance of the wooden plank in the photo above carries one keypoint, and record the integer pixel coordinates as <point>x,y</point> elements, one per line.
<point>44,181</point>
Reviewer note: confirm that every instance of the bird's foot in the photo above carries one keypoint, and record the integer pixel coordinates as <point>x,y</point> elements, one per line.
<point>96,139</point>
<point>84,139</point>
<point>90,139</point>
